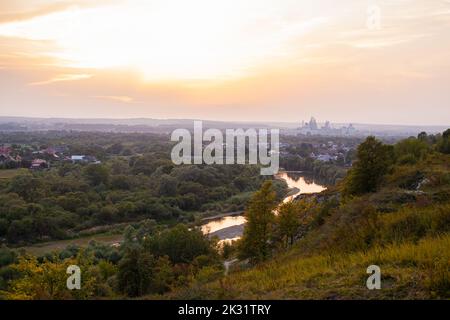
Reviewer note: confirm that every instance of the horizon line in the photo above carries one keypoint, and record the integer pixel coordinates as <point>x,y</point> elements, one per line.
<point>215,120</point>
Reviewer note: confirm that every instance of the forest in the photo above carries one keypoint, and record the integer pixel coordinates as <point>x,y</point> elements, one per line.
<point>133,180</point>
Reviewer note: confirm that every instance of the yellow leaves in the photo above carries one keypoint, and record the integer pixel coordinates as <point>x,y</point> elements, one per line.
<point>48,279</point>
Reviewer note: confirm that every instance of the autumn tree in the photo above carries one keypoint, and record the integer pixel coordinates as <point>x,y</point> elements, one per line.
<point>48,279</point>
<point>258,230</point>
<point>287,222</point>
<point>294,219</point>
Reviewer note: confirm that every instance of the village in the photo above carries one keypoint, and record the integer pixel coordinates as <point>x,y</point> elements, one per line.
<point>26,156</point>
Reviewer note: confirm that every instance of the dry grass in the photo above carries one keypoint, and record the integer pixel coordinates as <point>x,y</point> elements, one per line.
<point>409,271</point>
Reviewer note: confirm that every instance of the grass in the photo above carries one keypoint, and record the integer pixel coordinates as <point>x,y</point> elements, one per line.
<point>11,173</point>
<point>408,271</point>
<point>47,247</point>
<point>404,232</point>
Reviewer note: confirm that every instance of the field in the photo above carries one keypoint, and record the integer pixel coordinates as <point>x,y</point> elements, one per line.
<point>47,247</point>
<point>11,173</point>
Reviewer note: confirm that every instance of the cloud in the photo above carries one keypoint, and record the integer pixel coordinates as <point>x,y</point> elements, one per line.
<point>19,10</point>
<point>123,99</point>
<point>167,40</point>
<point>31,13</point>
<point>62,78</point>
<point>385,41</point>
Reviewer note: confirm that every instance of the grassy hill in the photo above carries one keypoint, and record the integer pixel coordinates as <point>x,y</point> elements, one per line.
<point>403,227</point>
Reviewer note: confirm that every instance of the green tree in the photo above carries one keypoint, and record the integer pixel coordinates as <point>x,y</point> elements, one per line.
<point>96,174</point>
<point>373,161</point>
<point>180,244</point>
<point>28,187</point>
<point>258,229</point>
<point>167,186</point>
<point>444,143</point>
<point>135,274</point>
<point>410,150</point>
<point>288,222</point>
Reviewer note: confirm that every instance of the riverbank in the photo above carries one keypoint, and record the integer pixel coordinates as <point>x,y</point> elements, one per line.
<point>228,226</point>
<point>223,215</point>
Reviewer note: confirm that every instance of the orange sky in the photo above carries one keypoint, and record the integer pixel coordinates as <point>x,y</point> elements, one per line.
<point>278,60</point>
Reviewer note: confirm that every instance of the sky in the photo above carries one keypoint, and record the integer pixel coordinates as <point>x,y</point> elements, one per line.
<point>360,61</point>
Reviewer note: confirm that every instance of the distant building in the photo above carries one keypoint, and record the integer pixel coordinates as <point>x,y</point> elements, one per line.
<point>39,164</point>
<point>77,158</point>
<point>4,158</point>
<point>5,150</point>
<point>313,124</point>
<point>9,161</point>
<point>326,157</point>
<point>84,159</point>
<point>312,128</point>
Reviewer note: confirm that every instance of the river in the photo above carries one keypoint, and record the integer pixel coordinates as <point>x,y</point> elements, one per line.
<point>231,227</point>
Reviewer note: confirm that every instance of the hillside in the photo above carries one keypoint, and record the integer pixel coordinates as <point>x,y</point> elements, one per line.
<point>403,227</point>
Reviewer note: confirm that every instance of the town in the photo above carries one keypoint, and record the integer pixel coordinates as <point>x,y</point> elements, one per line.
<point>39,158</point>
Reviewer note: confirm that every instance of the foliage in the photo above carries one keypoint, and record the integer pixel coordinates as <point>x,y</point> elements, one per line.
<point>444,143</point>
<point>47,279</point>
<point>395,214</point>
<point>293,220</point>
<point>71,198</point>
<point>180,244</point>
<point>258,229</point>
<point>135,275</point>
<point>373,162</point>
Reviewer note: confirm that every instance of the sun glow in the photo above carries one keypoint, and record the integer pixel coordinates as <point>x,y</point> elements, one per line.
<point>166,40</point>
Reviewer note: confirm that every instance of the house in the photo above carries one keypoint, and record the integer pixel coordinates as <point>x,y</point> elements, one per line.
<point>39,164</point>
<point>4,158</point>
<point>84,159</point>
<point>5,150</point>
<point>78,158</point>
<point>325,157</point>
<point>60,149</point>
<point>9,161</point>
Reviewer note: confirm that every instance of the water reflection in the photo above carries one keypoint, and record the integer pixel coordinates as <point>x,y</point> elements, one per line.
<point>223,223</point>
<point>303,183</point>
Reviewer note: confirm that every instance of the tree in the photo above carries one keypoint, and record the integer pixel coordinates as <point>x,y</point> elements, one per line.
<point>96,174</point>
<point>180,244</point>
<point>47,279</point>
<point>27,186</point>
<point>288,222</point>
<point>444,143</point>
<point>373,162</point>
<point>422,136</point>
<point>410,150</point>
<point>294,219</point>
<point>167,186</point>
<point>258,229</point>
<point>135,274</point>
